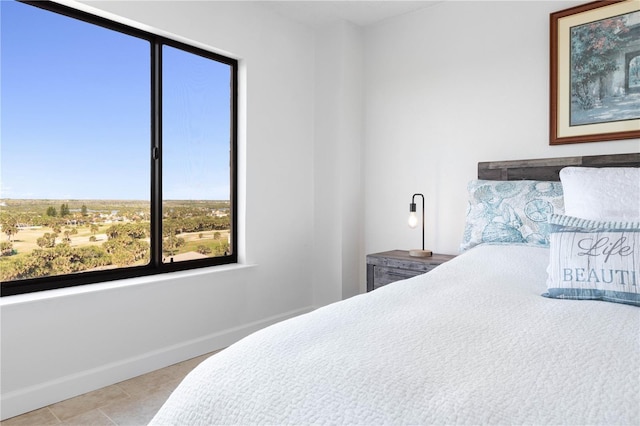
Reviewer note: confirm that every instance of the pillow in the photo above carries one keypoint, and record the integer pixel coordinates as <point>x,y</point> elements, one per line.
<point>566,221</point>
<point>610,193</point>
<point>594,260</point>
<point>510,212</point>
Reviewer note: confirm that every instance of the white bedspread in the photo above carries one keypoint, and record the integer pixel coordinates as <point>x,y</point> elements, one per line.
<point>471,342</point>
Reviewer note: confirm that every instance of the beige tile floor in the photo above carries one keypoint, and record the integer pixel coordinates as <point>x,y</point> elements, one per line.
<point>132,402</point>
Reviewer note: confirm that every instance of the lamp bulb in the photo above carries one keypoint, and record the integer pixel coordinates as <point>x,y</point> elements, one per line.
<point>413,220</point>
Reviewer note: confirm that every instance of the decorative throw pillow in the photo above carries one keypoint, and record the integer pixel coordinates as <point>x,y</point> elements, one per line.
<point>594,260</point>
<point>510,212</point>
<point>609,193</point>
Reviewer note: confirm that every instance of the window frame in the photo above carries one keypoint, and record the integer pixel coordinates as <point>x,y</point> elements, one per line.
<point>156,265</point>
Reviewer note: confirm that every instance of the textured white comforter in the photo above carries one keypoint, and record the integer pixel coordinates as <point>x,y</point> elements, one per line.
<point>471,342</point>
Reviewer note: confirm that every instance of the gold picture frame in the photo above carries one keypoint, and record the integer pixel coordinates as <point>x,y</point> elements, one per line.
<point>595,72</point>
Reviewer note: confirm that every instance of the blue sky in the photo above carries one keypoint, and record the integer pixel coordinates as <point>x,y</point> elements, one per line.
<point>75,113</point>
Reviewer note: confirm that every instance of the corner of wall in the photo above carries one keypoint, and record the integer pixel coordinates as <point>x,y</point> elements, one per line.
<point>338,184</point>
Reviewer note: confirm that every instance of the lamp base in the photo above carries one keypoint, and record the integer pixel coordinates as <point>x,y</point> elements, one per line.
<point>420,253</point>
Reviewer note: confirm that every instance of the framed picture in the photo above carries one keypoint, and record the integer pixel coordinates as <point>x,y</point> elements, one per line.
<point>595,72</point>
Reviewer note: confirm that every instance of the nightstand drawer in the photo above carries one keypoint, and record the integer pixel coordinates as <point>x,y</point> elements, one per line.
<point>395,265</point>
<point>383,275</point>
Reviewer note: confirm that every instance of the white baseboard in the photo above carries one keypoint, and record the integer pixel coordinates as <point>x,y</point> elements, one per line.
<point>47,393</point>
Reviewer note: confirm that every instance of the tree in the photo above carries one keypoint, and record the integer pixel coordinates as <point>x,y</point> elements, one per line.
<point>202,249</point>
<point>131,230</point>
<point>222,249</point>
<point>125,245</point>
<point>63,259</point>
<point>126,251</point>
<point>592,46</point>
<point>171,244</point>
<point>6,248</point>
<point>9,225</point>
<point>64,210</point>
<point>84,210</point>
<point>47,240</point>
<point>10,271</point>
<point>51,211</point>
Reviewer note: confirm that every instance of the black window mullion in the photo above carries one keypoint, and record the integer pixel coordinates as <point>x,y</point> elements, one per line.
<point>156,154</point>
<point>233,158</point>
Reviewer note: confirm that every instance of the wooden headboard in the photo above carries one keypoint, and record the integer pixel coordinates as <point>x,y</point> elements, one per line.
<point>549,168</point>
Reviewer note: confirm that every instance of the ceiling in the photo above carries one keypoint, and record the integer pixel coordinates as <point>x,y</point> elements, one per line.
<point>359,12</point>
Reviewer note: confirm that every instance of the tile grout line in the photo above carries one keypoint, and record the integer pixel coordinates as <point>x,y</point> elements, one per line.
<point>129,396</point>
<point>53,414</point>
<point>105,414</point>
<point>123,390</point>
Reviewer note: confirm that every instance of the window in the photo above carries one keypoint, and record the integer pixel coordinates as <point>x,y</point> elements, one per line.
<point>118,155</point>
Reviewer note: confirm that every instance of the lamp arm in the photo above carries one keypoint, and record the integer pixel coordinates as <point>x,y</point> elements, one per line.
<point>413,202</point>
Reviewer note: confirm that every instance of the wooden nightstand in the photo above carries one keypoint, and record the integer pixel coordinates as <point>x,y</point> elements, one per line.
<point>389,266</point>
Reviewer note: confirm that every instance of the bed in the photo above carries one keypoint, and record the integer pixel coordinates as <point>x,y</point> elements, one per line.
<point>474,341</point>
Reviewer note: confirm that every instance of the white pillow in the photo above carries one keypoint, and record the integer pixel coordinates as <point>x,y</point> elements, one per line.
<point>609,193</point>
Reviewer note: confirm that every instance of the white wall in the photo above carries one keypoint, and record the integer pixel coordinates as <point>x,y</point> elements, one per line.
<point>61,343</point>
<point>447,87</point>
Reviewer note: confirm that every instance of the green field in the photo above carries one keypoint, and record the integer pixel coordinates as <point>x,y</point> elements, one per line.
<point>53,237</point>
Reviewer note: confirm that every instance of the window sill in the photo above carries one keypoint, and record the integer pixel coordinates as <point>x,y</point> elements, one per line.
<point>111,285</point>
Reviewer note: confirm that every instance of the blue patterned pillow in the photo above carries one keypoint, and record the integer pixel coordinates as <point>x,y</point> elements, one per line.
<point>594,260</point>
<point>511,212</point>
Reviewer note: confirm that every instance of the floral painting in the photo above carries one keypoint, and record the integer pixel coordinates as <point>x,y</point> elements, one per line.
<point>594,87</point>
<point>605,70</point>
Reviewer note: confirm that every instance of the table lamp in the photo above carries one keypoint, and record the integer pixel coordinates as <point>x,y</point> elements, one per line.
<point>413,222</point>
